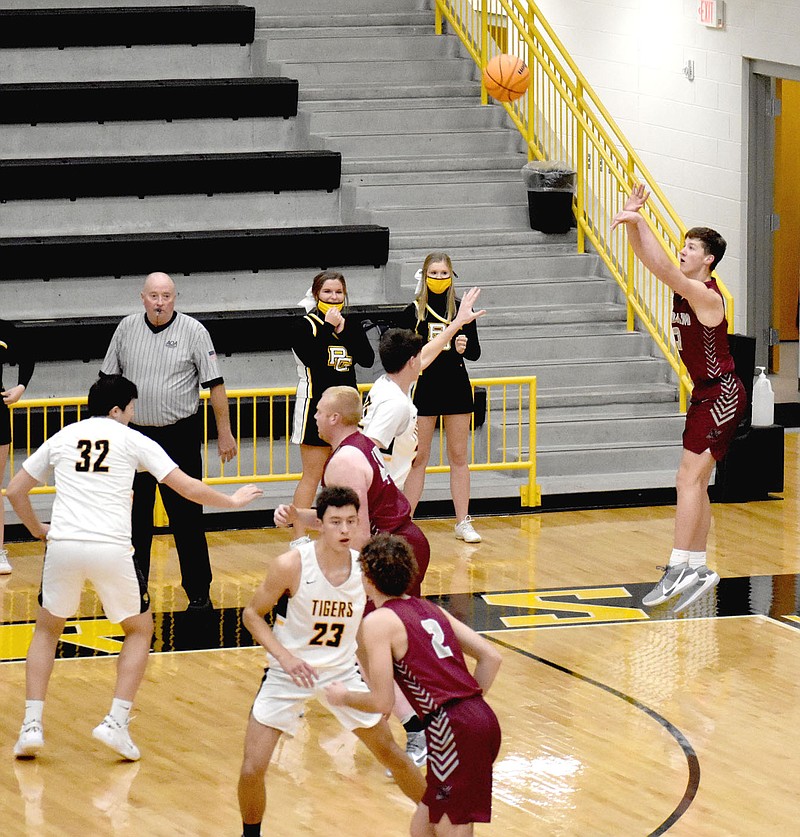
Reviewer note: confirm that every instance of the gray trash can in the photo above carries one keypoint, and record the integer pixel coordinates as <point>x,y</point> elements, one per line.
<point>551,187</point>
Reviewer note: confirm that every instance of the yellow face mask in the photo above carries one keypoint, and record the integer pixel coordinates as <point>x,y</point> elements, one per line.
<point>324,307</point>
<point>438,286</point>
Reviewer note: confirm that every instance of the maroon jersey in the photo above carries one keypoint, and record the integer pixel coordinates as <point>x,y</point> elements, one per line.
<point>389,511</point>
<point>703,349</point>
<point>433,672</point>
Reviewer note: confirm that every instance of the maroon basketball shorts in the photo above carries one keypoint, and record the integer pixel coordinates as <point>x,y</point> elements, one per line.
<point>463,741</point>
<point>714,414</point>
<point>422,552</point>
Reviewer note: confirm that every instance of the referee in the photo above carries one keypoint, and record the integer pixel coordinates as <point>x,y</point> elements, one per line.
<point>169,356</point>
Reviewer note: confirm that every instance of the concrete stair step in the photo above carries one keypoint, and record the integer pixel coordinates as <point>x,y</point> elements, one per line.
<point>167,213</point>
<point>302,19</point>
<point>363,45</point>
<point>423,104</point>
<point>454,195</point>
<point>378,72</point>
<point>433,219</point>
<point>404,121</point>
<point>549,246</point>
<point>340,29</point>
<point>336,8</point>
<point>423,144</point>
<point>554,320</point>
<point>388,90</point>
<point>439,162</point>
<point>609,412</point>
<point>448,240</point>
<point>596,395</point>
<point>497,343</point>
<point>560,374</point>
<point>399,179</point>
<point>118,63</point>
<point>90,4</point>
<point>187,136</point>
<point>609,431</point>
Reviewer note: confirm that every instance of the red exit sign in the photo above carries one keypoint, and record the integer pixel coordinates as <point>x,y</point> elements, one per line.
<point>711,13</point>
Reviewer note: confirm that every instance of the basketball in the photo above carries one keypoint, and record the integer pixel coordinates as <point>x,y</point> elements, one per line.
<point>506,78</point>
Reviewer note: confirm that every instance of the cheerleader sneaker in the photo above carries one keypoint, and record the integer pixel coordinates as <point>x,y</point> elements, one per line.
<point>5,564</point>
<point>30,741</point>
<point>116,736</point>
<point>465,531</point>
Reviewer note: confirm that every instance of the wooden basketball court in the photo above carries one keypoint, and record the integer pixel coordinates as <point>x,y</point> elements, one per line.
<point>617,722</point>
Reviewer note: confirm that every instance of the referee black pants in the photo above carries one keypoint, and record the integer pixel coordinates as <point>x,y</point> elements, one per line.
<point>182,442</point>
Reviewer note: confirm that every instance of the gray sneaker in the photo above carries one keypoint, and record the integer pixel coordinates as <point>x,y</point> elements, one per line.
<point>706,580</point>
<point>417,747</point>
<point>675,580</point>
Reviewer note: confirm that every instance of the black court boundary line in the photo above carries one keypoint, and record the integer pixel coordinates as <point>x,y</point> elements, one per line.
<point>692,761</point>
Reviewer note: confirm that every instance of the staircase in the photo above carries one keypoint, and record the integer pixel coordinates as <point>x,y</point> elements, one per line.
<point>423,157</point>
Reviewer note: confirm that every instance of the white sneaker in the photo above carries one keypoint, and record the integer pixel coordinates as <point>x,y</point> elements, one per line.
<point>466,532</point>
<point>5,564</point>
<point>299,541</point>
<point>115,735</point>
<point>30,741</point>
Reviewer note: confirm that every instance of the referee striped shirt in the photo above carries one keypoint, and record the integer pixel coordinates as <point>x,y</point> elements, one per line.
<point>167,363</point>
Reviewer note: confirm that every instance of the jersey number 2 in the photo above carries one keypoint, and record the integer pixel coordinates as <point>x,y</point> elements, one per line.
<point>432,627</point>
<point>85,463</point>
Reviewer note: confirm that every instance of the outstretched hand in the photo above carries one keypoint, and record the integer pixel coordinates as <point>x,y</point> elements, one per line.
<point>465,313</point>
<point>285,515</point>
<point>245,495</point>
<point>630,211</point>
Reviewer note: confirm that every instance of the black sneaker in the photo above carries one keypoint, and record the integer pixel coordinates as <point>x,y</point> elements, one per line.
<point>200,603</point>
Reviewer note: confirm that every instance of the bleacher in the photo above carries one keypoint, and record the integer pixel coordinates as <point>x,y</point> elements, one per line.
<point>198,174</point>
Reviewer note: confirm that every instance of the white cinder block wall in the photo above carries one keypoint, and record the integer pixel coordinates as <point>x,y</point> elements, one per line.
<point>689,134</point>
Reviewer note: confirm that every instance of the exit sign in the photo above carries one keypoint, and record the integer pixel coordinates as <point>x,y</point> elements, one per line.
<point>711,13</point>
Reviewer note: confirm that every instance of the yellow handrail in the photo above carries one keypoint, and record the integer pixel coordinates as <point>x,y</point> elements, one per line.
<point>261,424</point>
<point>562,119</point>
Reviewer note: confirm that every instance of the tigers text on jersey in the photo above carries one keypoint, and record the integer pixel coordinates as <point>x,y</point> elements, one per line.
<point>390,420</point>
<point>321,621</point>
<point>94,462</point>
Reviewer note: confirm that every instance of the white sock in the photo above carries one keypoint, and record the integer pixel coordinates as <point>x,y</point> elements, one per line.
<point>697,559</point>
<point>33,711</point>
<point>120,710</point>
<point>679,557</point>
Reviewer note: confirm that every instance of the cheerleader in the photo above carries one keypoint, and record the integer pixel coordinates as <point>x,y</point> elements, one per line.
<point>326,347</point>
<point>443,388</point>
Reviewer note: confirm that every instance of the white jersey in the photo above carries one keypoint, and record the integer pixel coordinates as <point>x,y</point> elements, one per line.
<point>321,620</point>
<point>94,462</point>
<point>390,420</point>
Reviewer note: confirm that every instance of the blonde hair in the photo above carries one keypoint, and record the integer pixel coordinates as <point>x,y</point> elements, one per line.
<point>421,299</point>
<point>345,401</point>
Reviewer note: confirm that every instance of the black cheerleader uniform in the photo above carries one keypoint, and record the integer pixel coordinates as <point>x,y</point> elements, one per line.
<point>324,359</point>
<point>443,388</point>
<point>13,349</point>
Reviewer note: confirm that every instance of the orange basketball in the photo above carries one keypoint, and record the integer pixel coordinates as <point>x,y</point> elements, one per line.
<point>506,78</point>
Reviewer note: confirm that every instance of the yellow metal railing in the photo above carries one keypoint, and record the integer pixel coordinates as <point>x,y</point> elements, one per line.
<point>262,427</point>
<point>562,119</point>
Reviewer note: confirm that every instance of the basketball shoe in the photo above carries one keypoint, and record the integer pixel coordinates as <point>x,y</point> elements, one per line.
<point>417,747</point>
<point>115,735</point>
<point>30,741</point>
<point>706,580</point>
<point>465,531</point>
<point>5,564</point>
<point>675,580</point>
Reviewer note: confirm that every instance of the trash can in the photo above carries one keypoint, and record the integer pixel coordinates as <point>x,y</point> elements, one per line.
<point>551,187</point>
